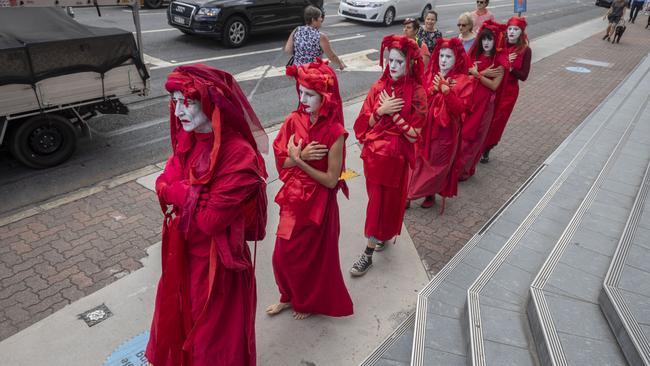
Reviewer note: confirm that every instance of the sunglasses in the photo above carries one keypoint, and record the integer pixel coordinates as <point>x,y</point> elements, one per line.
<point>480,2</point>
<point>461,25</point>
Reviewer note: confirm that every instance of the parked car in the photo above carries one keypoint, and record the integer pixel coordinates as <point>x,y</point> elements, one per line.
<point>383,11</point>
<point>604,3</point>
<point>233,21</point>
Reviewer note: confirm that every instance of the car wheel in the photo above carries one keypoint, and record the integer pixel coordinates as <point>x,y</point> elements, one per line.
<point>43,141</point>
<point>153,4</point>
<point>185,31</point>
<point>425,11</point>
<point>235,32</point>
<point>389,17</point>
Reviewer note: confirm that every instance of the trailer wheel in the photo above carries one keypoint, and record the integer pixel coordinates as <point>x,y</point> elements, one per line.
<point>43,141</point>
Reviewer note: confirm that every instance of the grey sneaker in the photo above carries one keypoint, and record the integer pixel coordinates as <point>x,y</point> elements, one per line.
<point>361,266</point>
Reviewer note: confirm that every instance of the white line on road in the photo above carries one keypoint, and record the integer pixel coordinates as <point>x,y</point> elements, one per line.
<point>156,61</point>
<point>242,54</point>
<point>135,127</point>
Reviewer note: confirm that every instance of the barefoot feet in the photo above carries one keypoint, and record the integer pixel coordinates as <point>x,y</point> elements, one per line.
<point>277,308</point>
<point>300,316</point>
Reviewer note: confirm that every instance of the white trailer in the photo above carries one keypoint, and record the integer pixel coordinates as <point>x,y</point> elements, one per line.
<point>55,74</point>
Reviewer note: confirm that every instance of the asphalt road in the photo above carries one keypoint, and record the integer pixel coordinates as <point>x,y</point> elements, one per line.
<point>123,143</point>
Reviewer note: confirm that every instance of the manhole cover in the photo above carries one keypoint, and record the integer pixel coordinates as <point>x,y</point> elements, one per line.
<point>578,69</point>
<point>130,353</point>
<point>96,315</point>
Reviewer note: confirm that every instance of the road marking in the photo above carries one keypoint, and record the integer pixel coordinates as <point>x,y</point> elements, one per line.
<point>156,61</point>
<point>592,62</point>
<point>155,67</point>
<point>139,126</point>
<point>356,61</point>
<point>343,24</point>
<point>158,30</point>
<point>145,12</point>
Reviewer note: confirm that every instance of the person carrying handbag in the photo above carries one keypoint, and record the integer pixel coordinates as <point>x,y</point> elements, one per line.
<point>306,43</point>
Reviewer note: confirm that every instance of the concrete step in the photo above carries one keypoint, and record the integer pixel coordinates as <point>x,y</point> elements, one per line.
<point>566,322</point>
<point>625,296</point>
<point>441,324</point>
<point>496,300</point>
<point>395,350</point>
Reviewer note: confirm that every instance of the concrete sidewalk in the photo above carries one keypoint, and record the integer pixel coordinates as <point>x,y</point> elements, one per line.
<point>382,299</point>
<point>131,223</point>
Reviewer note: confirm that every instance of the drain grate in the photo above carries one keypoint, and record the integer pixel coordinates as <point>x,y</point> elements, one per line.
<point>96,315</point>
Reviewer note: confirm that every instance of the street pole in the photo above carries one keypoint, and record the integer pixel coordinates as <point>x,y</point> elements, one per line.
<point>138,29</point>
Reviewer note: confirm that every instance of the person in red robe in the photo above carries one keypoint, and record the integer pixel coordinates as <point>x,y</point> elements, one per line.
<point>213,194</point>
<point>310,156</point>
<point>519,60</point>
<point>449,91</point>
<point>388,126</point>
<point>489,63</point>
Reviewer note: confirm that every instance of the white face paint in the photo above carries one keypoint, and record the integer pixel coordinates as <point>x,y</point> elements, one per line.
<point>396,64</point>
<point>446,60</point>
<point>191,115</point>
<point>488,44</point>
<point>514,33</point>
<point>310,99</point>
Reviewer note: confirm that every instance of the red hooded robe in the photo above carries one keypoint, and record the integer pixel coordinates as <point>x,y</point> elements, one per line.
<point>519,70</point>
<point>437,150</point>
<point>205,304</point>
<point>477,122</point>
<point>306,256</point>
<point>387,154</point>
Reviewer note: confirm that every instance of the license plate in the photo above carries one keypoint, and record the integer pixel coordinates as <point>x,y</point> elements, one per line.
<point>179,20</point>
<point>353,11</point>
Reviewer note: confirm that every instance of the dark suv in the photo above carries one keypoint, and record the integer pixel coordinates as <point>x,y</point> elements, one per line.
<point>233,20</point>
<point>604,3</point>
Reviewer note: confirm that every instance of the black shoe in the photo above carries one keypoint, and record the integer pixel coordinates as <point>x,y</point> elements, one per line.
<point>361,266</point>
<point>485,158</point>
<point>605,37</point>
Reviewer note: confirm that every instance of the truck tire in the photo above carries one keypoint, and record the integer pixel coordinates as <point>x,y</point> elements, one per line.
<point>43,141</point>
<point>235,32</point>
<point>153,4</point>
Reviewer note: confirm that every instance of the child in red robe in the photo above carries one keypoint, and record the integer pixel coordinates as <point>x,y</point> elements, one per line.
<point>213,194</point>
<point>489,64</point>
<point>519,60</point>
<point>310,156</point>
<point>388,126</point>
<point>449,96</point>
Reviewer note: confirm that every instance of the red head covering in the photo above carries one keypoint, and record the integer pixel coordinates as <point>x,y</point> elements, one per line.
<point>461,66</point>
<point>521,23</point>
<point>222,100</point>
<point>321,78</point>
<point>498,30</point>
<point>411,51</point>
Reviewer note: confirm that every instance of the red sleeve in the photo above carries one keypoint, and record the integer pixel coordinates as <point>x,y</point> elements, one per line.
<point>173,172</point>
<point>280,143</point>
<point>362,125</point>
<point>522,73</point>
<point>458,99</point>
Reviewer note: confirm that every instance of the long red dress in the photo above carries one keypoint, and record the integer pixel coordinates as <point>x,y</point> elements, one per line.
<point>508,98</point>
<point>205,302</point>
<point>387,155</point>
<point>477,122</point>
<point>433,172</point>
<point>306,256</point>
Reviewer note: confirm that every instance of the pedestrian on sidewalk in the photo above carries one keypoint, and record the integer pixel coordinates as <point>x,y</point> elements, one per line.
<point>481,14</point>
<point>213,194</point>
<point>615,12</point>
<point>449,92</point>
<point>465,25</point>
<point>310,157</point>
<point>429,34</point>
<point>489,62</point>
<point>306,43</point>
<point>519,60</point>
<point>411,30</point>
<point>635,8</point>
<point>388,126</point>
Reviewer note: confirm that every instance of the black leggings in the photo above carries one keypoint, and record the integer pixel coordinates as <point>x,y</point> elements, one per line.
<point>634,10</point>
